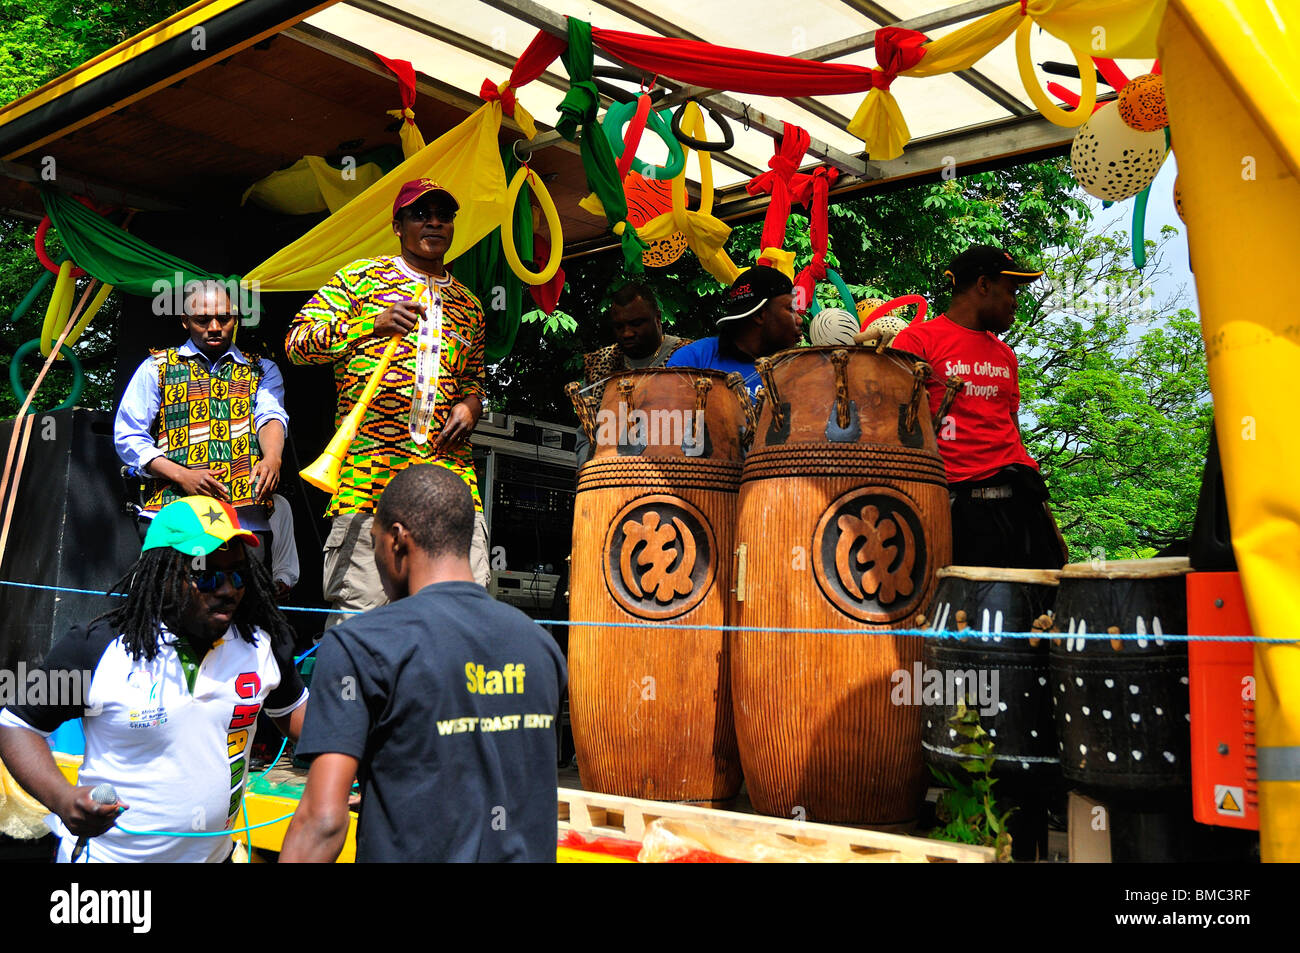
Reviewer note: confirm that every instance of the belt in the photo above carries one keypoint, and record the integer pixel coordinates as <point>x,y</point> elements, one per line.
<point>1004,492</point>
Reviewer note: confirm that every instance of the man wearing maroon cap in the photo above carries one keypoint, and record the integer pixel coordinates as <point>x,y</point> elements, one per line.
<point>429,399</point>
<point>999,500</point>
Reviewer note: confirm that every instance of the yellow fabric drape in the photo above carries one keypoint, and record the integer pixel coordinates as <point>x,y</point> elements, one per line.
<point>780,259</point>
<point>410,135</point>
<point>337,190</point>
<point>465,161</point>
<point>1234,106</point>
<point>705,234</point>
<point>311,185</point>
<point>1102,28</point>
<point>21,815</point>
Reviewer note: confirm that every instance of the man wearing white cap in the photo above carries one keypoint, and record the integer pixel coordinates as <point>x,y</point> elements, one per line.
<point>758,320</point>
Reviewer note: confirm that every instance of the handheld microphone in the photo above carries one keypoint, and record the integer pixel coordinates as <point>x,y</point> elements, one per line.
<point>103,793</point>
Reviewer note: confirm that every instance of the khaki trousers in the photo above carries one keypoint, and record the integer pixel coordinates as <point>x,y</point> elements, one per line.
<point>352,583</point>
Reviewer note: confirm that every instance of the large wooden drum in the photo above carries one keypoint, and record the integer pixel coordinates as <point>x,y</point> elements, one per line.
<point>1123,712</point>
<point>652,542</point>
<point>1006,678</point>
<point>843,522</point>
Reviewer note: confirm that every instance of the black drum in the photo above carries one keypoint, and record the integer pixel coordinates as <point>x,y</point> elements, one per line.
<point>1123,714</point>
<point>1010,675</point>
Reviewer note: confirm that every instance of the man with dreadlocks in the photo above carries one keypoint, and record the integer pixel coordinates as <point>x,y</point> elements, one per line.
<point>171,685</point>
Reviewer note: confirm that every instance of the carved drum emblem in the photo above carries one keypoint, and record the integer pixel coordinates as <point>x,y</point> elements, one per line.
<point>660,557</point>
<point>870,557</point>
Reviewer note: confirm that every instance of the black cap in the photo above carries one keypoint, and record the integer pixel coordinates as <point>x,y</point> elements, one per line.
<point>753,289</point>
<point>987,260</point>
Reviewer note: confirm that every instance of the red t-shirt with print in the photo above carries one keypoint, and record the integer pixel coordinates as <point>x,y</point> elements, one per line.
<point>981,433</point>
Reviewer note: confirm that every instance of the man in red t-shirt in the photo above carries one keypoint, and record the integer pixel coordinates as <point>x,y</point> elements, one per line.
<point>999,500</point>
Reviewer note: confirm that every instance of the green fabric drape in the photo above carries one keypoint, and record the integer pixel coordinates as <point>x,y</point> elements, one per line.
<point>578,115</point>
<point>483,269</point>
<point>114,255</point>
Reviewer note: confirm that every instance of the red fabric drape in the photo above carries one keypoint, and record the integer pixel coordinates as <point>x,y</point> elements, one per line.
<point>530,65</point>
<point>813,192</point>
<point>897,50</point>
<point>405,74</point>
<point>723,67</point>
<point>488,92</point>
<point>534,60</point>
<point>546,296</point>
<point>745,71</point>
<point>776,182</point>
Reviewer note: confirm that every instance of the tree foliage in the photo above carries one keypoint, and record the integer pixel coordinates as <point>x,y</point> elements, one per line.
<point>39,41</point>
<point>1115,399</point>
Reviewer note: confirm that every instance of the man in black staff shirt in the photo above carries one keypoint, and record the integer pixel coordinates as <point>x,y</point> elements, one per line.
<point>442,703</point>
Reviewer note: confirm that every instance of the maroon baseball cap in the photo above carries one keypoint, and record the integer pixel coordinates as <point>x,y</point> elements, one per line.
<point>412,191</point>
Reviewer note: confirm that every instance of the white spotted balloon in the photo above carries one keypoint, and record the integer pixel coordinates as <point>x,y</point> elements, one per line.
<point>1113,161</point>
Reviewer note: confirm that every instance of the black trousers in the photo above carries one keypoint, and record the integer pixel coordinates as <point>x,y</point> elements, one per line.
<point>1013,532</point>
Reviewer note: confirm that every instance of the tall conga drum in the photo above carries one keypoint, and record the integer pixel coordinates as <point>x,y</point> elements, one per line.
<point>843,522</point>
<point>652,541</point>
<point>1005,678</point>
<point>1123,713</point>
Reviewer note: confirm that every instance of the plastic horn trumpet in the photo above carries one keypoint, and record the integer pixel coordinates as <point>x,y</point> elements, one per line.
<point>324,472</point>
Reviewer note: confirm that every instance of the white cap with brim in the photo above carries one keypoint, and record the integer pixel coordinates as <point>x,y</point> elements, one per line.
<point>753,288</point>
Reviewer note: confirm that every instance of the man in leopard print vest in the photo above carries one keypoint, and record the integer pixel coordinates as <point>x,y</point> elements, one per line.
<point>639,342</point>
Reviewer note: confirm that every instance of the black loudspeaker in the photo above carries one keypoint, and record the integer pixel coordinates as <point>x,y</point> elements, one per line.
<point>68,530</point>
<point>1211,548</point>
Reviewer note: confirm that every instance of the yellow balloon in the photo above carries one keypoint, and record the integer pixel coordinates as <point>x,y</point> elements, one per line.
<point>1054,113</point>
<point>83,322</point>
<point>60,306</point>
<point>552,225</point>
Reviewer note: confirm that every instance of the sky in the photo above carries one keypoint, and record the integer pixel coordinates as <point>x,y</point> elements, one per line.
<point>1160,212</point>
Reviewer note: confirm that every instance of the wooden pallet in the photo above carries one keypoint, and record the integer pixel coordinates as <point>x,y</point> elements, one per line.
<point>606,815</point>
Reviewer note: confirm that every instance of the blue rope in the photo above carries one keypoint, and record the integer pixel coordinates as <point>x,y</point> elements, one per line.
<point>127,830</point>
<point>667,626</point>
<point>921,633</point>
<point>122,595</point>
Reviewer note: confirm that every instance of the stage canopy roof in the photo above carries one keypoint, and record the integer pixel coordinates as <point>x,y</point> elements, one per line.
<point>160,123</point>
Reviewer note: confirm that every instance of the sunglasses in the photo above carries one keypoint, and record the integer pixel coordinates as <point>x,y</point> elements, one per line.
<point>210,580</point>
<point>424,214</point>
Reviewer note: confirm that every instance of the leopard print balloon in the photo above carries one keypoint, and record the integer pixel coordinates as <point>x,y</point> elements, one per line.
<point>665,251</point>
<point>866,306</point>
<point>1178,201</point>
<point>1142,103</point>
<point>648,199</point>
<point>883,330</point>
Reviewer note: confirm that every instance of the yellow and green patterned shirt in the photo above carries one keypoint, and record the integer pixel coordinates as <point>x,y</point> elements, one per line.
<point>337,327</point>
